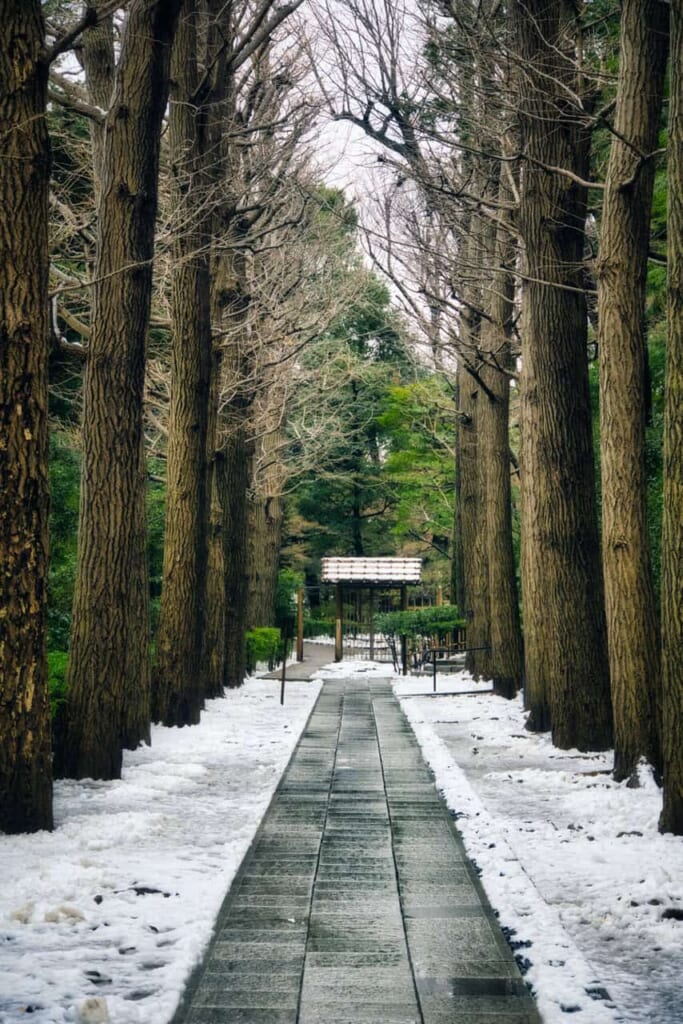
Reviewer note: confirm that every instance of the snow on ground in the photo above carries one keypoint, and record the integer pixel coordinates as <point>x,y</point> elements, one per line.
<point>571,860</point>
<point>118,903</point>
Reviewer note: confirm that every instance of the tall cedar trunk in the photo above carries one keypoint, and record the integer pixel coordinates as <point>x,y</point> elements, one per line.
<point>632,628</point>
<point>266,515</point>
<point>457,553</point>
<point>99,65</point>
<point>565,649</point>
<point>216,105</point>
<point>177,690</point>
<point>475,611</point>
<point>25,756</point>
<point>213,625</point>
<point>472,475</point>
<point>234,483</point>
<point>232,471</point>
<point>265,541</point>
<point>109,678</point>
<point>506,663</point>
<point>672,538</point>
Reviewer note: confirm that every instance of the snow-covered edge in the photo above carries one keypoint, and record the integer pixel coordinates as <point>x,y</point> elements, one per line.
<point>562,980</point>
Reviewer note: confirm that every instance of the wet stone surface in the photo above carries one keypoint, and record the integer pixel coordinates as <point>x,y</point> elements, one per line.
<point>356,903</point>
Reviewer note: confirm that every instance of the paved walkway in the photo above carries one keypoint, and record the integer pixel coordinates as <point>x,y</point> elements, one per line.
<point>356,904</point>
<point>315,657</point>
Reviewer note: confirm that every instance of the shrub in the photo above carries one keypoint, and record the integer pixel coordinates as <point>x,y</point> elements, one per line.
<point>263,645</point>
<point>318,627</point>
<point>420,622</point>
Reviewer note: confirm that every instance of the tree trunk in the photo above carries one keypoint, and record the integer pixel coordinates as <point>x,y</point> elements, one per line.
<point>213,623</point>
<point>266,516</point>
<point>233,484</point>
<point>472,473</point>
<point>25,755</point>
<point>265,539</point>
<point>506,659</point>
<point>565,642</point>
<point>177,684</point>
<point>632,628</point>
<point>231,300</point>
<point>672,538</point>
<point>475,611</point>
<point>99,65</point>
<point>458,555</point>
<point>109,677</point>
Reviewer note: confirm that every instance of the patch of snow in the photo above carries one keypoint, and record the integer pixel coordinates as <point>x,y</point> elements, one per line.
<point>104,918</point>
<point>571,861</point>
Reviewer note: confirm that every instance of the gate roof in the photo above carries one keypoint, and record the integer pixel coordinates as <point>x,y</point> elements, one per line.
<point>385,571</point>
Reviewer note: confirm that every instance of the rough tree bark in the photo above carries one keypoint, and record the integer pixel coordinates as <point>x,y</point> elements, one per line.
<point>177,690</point>
<point>506,659</point>
<point>266,516</point>
<point>457,552</point>
<point>475,567</point>
<point>25,755</point>
<point>213,631</point>
<point>109,672</point>
<point>672,538</point>
<point>472,471</point>
<point>99,64</point>
<point>233,467</point>
<point>632,628</point>
<point>565,632</point>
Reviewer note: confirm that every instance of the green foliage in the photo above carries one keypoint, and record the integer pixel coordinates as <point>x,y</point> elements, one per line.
<point>417,428</point>
<point>64,492</point>
<point>57,663</point>
<point>263,645</point>
<point>345,505</point>
<point>420,623</point>
<point>318,627</point>
<point>288,582</point>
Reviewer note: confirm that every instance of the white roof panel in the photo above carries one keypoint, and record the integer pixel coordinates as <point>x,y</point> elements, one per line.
<point>371,570</point>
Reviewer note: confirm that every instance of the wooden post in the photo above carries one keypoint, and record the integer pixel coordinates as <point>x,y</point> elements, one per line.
<point>338,636</point>
<point>300,624</point>
<point>283,676</point>
<point>371,622</point>
<point>404,639</point>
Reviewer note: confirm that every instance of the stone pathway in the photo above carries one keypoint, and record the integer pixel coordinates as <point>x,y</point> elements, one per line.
<point>356,903</point>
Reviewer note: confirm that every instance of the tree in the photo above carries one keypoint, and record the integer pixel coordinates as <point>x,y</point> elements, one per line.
<point>672,538</point>
<point>25,760</point>
<point>564,621</point>
<point>177,686</point>
<point>632,627</point>
<point>109,672</point>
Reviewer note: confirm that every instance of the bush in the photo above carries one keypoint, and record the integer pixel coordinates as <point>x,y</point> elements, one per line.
<point>420,622</point>
<point>318,627</point>
<point>263,645</point>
